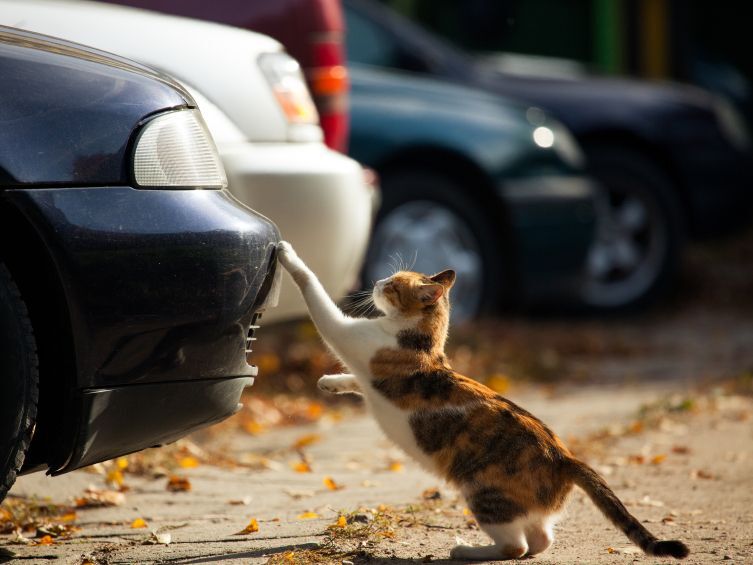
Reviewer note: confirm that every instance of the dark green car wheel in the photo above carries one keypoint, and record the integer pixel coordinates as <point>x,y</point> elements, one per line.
<point>19,381</point>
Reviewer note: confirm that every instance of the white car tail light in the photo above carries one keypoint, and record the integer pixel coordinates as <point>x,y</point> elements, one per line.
<point>283,73</point>
<point>175,149</point>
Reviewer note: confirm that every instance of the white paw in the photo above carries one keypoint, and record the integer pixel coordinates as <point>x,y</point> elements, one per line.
<point>461,552</point>
<point>334,385</point>
<point>286,254</point>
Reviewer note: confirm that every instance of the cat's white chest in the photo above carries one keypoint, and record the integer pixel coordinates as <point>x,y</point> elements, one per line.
<point>395,423</point>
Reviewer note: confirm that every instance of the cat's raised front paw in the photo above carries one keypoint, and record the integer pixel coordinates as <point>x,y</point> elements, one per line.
<point>338,384</point>
<point>286,254</point>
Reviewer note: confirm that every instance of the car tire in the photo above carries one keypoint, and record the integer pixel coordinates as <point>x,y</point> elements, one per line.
<point>637,251</point>
<point>19,381</point>
<point>468,240</point>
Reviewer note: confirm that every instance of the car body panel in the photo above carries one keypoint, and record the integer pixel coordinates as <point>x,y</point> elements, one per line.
<point>270,167</point>
<point>161,285</point>
<point>141,300</point>
<point>107,108</point>
<point>678,126</point>
<point>547,202</point>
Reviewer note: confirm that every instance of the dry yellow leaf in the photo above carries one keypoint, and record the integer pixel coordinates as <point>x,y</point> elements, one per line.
<point>301,467</point>
<point>341,522</point>
<point>45,540</point>
<point>306,440</point>
<point>656,459</point>
<point>139,523</point>
<point>68,517</point>
<point>308,516</point>
<point>188,462</point>
<point>178,484</point>
<point>611,550</point>
<point>253,526</point>
<point>121,463</point>
<point>466,512</point>
<point>252,427</point>
<point>395,466</point>
<point>499,383</point>
<point>115,478</point>
<point>5,516</point>
<point>330,483</point>
<point>314,411</point>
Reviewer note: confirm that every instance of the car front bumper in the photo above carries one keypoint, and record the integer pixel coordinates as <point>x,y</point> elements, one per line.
<point>162,288</point>
<point>552,222</point>
<point>321,203</point>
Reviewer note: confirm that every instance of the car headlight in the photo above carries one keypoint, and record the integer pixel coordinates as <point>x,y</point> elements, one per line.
<point>731,123</point>
<point>283,73</point>
<point>175,149</point>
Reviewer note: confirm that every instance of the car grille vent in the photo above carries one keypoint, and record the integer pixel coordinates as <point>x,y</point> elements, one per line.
<point>250,339</point>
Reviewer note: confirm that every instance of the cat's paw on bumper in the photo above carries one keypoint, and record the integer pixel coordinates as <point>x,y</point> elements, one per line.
<point>286,254</point>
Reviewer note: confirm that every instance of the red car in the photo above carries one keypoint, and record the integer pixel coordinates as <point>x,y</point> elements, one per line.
<point>312,31</point>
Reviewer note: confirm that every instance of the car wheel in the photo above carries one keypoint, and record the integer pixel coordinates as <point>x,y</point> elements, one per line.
<point>427,223</point>
<point>638,244</point>
<point>19,381</point>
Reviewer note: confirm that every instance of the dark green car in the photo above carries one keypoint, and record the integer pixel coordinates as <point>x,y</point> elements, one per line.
<point>489,188</point>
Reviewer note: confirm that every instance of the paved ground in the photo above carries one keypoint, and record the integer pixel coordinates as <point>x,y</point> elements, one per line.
<point>685,466</point>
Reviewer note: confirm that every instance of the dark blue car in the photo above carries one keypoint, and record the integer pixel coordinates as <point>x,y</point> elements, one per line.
<point>131,281</point>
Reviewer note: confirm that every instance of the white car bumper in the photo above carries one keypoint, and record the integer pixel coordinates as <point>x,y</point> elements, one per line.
<point>320,201</point>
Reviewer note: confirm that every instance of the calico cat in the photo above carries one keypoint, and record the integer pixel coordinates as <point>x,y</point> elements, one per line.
<point>513,471</point>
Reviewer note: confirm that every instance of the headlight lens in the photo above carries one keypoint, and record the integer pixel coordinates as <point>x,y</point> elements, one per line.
<point>283,73</point>
<point>176,150</point>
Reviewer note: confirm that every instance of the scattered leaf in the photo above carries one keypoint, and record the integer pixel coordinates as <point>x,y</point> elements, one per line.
<point>188,462</point>
<point>308,516</point>
<point>306,440</point>
<point>121,463</point>
<point>330,483</point>
<point>178,484</point>
<point>301,467</point>
<point>395,466</point>
<point>466,512</point>
<point>245,501</point>
<point>45,540</point>
<point>499,383</point>
<point>252,527</point>
<point>253,427</point>
<point>680,449</point>
<point>139,523</point>
<point>94,497</point>
<point>701,474</point>
<point>342,522</point>
<point>115,478</point>
<point>431,494</point>
<point>157,538</point>
<point>657,459</point>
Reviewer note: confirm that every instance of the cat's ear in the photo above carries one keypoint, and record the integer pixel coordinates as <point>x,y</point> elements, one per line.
<point>445,278</point>
<point>430,293</point>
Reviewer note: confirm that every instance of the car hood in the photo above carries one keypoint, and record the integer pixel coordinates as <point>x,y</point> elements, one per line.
<point>581,102</point>
<point>438,95</point>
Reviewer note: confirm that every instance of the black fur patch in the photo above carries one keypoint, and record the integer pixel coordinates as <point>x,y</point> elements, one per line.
<point>437,429</point>
<point>430,385</point>
<point>411,339</point>
<point>490,506</point>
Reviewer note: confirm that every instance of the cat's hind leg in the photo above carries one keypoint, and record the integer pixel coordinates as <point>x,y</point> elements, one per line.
<point>539,535</point>
<point>509,543</point>
<point>339,384</point>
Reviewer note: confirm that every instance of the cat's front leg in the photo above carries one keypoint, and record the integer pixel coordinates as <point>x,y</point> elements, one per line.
<point>329,319</point>
<point>339,384</point>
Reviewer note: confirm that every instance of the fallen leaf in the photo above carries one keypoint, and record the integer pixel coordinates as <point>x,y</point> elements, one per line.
<point>431,494</point>
<point>156,538</point>
<point>139,523</point>
<point>306,440</point>
<point>701,474</point>
<point>342,522</point>
<point>121,463</point>
<point>466,512</point>
<point>308,515</point>
<point>314,411</point>
<point>115,478</point>
<point>395,466</point>
<point>499,383</point>
<point>252,527</point>
<point>178,484</point>
<point>188,462</point>
<point>45,540</point>
<point>680,449</point>
<point>68,517</point>
<point>245,501</point>
<point>330,483</point>
<point>301,467</point>
<point>657,459</point>
<point>252,427</point>
<point>94,497</point>
<point>297,494</point>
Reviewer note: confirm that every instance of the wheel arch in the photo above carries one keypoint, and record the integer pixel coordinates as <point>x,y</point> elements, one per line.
<point>36,275</point>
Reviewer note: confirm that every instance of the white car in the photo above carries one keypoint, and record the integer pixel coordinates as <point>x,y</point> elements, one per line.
<point>258,109</point>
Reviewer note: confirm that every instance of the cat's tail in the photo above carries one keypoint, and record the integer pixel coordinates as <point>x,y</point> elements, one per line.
<point>611,506</point>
